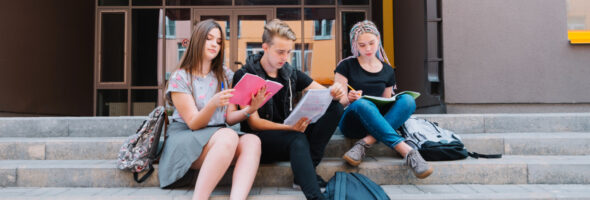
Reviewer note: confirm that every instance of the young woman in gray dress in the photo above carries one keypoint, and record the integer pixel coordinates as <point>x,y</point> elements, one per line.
<point>198,135</point>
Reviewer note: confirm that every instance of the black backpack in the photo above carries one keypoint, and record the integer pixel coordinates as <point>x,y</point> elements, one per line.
<point>353,186</point>
<point>435,143</point>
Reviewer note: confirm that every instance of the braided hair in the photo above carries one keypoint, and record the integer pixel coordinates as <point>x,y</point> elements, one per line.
<point>366,27</point>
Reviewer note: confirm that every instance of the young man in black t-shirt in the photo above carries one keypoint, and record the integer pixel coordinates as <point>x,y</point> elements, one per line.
<point>302,144</point>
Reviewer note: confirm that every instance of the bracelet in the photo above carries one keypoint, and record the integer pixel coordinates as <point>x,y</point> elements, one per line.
<point>246,114</point>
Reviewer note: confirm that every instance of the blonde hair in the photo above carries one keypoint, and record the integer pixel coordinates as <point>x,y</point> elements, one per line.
<point>276,27</point>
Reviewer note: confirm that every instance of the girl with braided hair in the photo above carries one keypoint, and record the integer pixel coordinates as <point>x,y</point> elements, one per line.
<point>368,72</point>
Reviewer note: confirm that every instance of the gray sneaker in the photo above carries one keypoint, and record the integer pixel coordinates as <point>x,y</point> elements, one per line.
<point>418,164</point>
<point>355,155</point>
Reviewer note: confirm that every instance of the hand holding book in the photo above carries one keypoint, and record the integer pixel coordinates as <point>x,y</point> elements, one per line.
<point>258,98</point>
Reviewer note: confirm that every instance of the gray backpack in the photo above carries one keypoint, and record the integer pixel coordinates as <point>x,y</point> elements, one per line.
<point>140,150</point>
<point>435,143</point>
<point>418,131</point>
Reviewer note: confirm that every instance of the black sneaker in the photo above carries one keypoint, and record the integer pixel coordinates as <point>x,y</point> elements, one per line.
<point>320,181</point>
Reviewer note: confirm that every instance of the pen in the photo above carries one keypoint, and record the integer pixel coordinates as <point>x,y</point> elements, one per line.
<point>223,108</point>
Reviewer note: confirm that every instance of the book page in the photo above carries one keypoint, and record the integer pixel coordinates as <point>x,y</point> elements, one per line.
<point>273,87</point>
<point>250,84</point>
<point>383,100</point>
<point>313,106</point>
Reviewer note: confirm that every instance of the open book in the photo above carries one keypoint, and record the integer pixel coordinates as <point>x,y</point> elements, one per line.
<point>250,84</point>
<point>313,106</point>
<point>384,101</point>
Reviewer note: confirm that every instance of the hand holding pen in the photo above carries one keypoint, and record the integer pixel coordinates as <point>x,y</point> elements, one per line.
<point>222,97</point>
<point>353,94</point>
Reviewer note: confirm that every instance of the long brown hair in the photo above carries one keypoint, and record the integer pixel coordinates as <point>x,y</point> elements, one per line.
<point>192,59</point>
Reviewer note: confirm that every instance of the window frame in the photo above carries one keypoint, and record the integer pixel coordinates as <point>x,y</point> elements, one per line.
<point>126,47</point>
<point>326,34</point>
<point>577,36</point>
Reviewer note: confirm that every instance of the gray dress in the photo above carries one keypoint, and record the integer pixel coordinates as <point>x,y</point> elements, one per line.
<point>184,146</point>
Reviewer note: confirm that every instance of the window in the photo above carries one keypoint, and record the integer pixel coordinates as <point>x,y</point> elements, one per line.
<point>177,23</point>
<point>296,58</point>
<point>112,47</point>
<point>323,29</point>
<point>253,48</point>
<point>227,32</point>
<point>319,22</point>
<point>578,21</point>
<point>181,50</point>
<point>170,28</point>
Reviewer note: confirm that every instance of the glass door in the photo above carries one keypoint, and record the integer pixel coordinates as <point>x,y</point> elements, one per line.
<point>349,17</point>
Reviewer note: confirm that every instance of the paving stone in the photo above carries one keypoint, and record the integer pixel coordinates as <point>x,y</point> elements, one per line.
<point>436,189</point>
<point>433,192</point>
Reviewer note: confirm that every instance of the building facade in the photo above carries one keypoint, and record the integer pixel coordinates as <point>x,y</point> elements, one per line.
<point>113,57</point>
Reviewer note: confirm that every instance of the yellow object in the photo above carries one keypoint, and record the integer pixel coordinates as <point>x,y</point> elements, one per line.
<point>350,87</point>
<point>388,30</point>
<point>579,36</point>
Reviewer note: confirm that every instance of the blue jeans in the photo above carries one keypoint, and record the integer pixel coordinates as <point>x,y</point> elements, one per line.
<point>363,117</point>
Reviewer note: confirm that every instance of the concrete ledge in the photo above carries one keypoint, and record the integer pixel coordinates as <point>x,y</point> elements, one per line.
<point>22,150</point>
<point>104,126</point>
<point>545,122</point>
<point>508,170</point>
<point>34,127</point>
<point>460,123</point>
<point>453,108</point>
<point>106,148</point>
<point>84,148</point>
<point>547,144</point>
<point>7,176</point>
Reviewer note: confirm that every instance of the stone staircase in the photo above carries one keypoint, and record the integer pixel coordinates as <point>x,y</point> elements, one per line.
<point>545,156</point>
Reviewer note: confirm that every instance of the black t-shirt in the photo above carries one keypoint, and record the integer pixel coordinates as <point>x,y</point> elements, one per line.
<point>370,83</point>
<point>302,82</point>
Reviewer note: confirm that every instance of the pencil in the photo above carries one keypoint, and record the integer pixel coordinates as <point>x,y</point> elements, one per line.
<point>351,87</point>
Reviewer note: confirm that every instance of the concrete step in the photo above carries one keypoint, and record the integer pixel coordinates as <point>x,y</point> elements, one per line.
<point>106,148</point>
<point>410,192</point>
<point>385,171</point>
<point>460,123</point>
<point>558,143</point>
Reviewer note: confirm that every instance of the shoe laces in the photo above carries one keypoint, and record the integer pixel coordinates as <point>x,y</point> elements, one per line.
<point>412,159</point>
<point>360,147</point>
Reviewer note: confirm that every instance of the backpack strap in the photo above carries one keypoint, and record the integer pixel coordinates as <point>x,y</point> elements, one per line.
<point>340,186</point>
<point>140,127</point>
<point>165,136</point>
<point>478,155</point>
<point>144,177</point>
<point>367,185</point>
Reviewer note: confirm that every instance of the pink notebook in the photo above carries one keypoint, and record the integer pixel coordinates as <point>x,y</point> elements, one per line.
<point>250,84</point>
